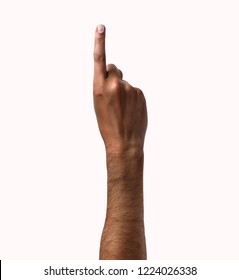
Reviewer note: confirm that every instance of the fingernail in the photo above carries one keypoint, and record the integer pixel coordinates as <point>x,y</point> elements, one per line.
<point>101,28</point>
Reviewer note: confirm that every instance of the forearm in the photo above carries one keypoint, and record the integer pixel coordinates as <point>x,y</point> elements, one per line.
<point>123,234</point>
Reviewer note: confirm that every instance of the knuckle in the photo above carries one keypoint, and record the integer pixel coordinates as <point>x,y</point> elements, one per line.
<point>98,89</point>
<point>121,73</point>
<point>99,57</point>
<point>111,65</point>
<point>98,93</point>
<point>140,92</point>
<point>128,87</point>
<point>115,85</point>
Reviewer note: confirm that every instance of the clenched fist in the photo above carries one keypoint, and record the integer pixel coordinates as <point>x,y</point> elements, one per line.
<point>120,108</point>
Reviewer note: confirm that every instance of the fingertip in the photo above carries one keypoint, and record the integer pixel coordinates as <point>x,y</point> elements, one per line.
<point>101,29</point>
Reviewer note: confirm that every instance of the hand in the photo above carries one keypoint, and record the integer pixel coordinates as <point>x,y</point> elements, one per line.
<point>120,108</point>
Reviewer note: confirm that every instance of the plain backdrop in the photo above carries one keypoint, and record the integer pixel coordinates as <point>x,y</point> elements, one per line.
<point>184,56</point>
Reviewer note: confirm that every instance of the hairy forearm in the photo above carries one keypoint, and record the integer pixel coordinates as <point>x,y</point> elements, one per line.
<point>123,234</point>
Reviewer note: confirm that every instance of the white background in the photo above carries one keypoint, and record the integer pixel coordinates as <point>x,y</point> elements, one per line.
<point>184,56</point>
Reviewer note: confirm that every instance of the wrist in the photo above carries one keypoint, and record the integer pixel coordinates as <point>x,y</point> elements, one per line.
<point>124,151</point>
<point>125,170</point>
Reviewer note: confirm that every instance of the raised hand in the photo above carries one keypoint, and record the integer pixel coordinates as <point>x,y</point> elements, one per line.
<point>120,108</point>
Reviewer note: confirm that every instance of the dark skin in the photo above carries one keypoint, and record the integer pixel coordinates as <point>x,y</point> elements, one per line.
<point>121,114</point>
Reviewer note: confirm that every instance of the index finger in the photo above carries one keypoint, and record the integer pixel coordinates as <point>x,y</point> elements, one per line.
<point>100,71</point>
